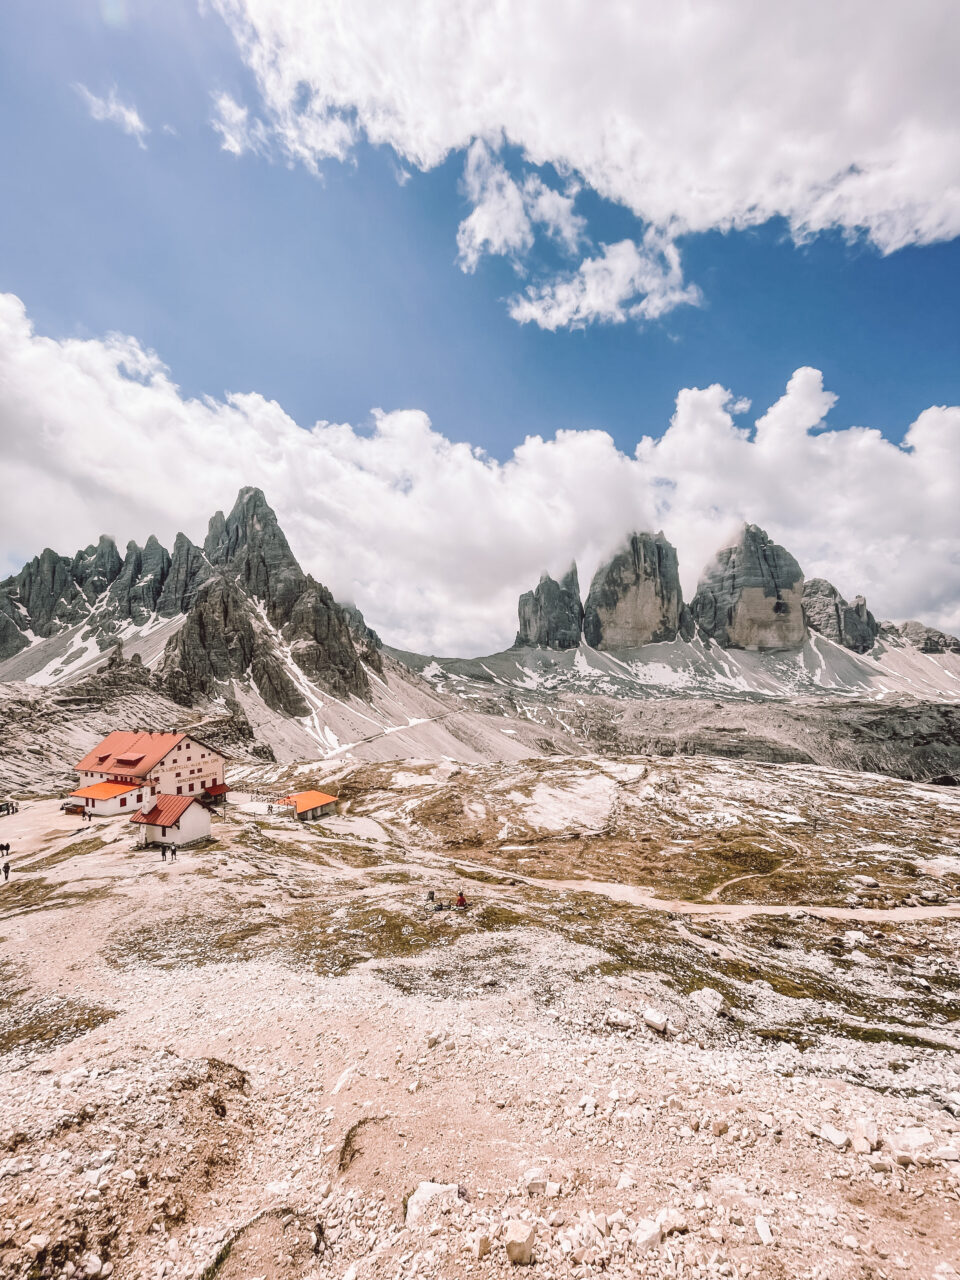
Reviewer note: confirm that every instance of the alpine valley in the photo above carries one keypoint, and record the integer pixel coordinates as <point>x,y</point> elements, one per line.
<point>232,636</point>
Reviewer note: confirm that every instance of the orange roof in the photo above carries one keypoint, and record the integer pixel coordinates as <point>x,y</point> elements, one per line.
<point>304,801</point>
<point>166,812</point>
<point>126,752</point>
<point>103,790</point>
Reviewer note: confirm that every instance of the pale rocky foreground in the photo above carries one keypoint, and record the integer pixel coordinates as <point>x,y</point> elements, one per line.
<point>737,1055</point>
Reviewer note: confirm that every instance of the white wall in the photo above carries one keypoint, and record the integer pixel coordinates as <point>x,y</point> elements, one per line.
<point>193,825</point>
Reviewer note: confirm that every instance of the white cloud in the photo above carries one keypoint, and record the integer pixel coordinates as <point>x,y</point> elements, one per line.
<point>433,539</point>
<point>499,222</point>
<point>506,212</point>
<point>624,282</point>
<point>111,109</point>
<point>719,114</point>
<point>238,132</point>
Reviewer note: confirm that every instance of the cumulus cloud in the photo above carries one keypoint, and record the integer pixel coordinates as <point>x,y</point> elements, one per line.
<point>124,115</point>
<point>695,116</point>
<point>433,539</point>
<point>625,281</point>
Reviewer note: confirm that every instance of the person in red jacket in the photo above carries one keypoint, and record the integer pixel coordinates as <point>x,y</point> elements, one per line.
<point>461,902</point>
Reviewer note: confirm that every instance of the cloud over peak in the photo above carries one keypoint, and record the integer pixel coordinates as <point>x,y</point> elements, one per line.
<point>433,539</point>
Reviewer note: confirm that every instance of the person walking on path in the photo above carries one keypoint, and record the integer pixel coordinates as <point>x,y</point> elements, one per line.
<point>173,853</point>
<point>163,853</point>
<point>6,870</point>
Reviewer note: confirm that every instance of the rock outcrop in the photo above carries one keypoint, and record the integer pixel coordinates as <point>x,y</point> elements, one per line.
<point>223,640</point>
<point>825,611</point>
<point>42,599</point>
<point>926,639</point>
<point>365,638</point>
<point>635,598</point>
<point>137,587</point>
<point>751,596</point>
<point>551,616</point>
<point>189,570</point>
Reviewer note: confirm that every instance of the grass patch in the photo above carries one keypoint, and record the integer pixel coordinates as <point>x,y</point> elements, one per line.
<point>77,849</point>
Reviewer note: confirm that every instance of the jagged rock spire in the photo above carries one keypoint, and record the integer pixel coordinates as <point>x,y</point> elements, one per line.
<point>551,616</point>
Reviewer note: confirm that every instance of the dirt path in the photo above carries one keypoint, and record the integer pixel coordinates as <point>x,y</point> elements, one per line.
<point>742,911</point>
<point>714,894</point>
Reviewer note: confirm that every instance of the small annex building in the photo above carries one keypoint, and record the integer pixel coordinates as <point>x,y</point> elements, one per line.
<point>309,805</point>
<point>110,798</point>
<point>174,820</point>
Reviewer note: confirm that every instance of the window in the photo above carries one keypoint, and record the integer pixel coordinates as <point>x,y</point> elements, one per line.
<point>163,831</point>
<point>139,797</point>
<point>190,788</point>
<point>123,802</point>
<point>179,791</point>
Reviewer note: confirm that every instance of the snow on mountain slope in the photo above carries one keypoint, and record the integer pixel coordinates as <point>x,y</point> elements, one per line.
<point>678,668</point>
<point>76,652</point>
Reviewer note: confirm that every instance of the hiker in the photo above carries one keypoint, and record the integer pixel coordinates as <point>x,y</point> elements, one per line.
<point>461,901</point>
<point>173,853</point>
<point>163,853</point>
<point>6,871</point>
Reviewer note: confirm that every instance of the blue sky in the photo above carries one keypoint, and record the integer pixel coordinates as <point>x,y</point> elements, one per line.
<point>607,226</point>
<point>337,294</point>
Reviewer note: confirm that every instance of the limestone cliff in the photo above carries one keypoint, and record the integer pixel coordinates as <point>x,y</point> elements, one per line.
<point>751,595</point>
<point>635,598</point>
<point>551,616</point>
<point>826,611</point>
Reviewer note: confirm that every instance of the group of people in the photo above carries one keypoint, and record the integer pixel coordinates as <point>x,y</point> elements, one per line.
<point>9,806</point>
<point>432,903</point>
<point>164,848</point>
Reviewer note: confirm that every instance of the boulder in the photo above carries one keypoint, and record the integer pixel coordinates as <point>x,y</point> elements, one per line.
<point>646,1235</point>
<point>518,1241</point>
<point>826,612</point>
<point>709,1001</point>
<point>432,1196</point>
<point>909,1144</point>
<point>751,596</point>
<point>655,1019</point>
<point>551,616</point>
<point>635,598</point>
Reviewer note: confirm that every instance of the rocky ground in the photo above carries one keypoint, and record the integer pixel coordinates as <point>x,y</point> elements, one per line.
<point>701,1018</point>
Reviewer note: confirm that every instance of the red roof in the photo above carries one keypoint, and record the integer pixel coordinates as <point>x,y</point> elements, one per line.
<point>103,790</point>
<point>304,801</point>
<point>126,752</point>
<point>217,789</point>
<point>166,812</point>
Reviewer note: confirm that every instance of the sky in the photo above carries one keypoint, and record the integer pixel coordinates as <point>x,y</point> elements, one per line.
<point>471,290</point>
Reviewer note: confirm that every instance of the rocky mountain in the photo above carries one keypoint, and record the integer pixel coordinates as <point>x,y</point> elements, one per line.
<point>635,598</point>
<point>239,609</point>
<point>751,596</point>
<point>826,611</point>
<point>551,616</point>
<point>257,609</point>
